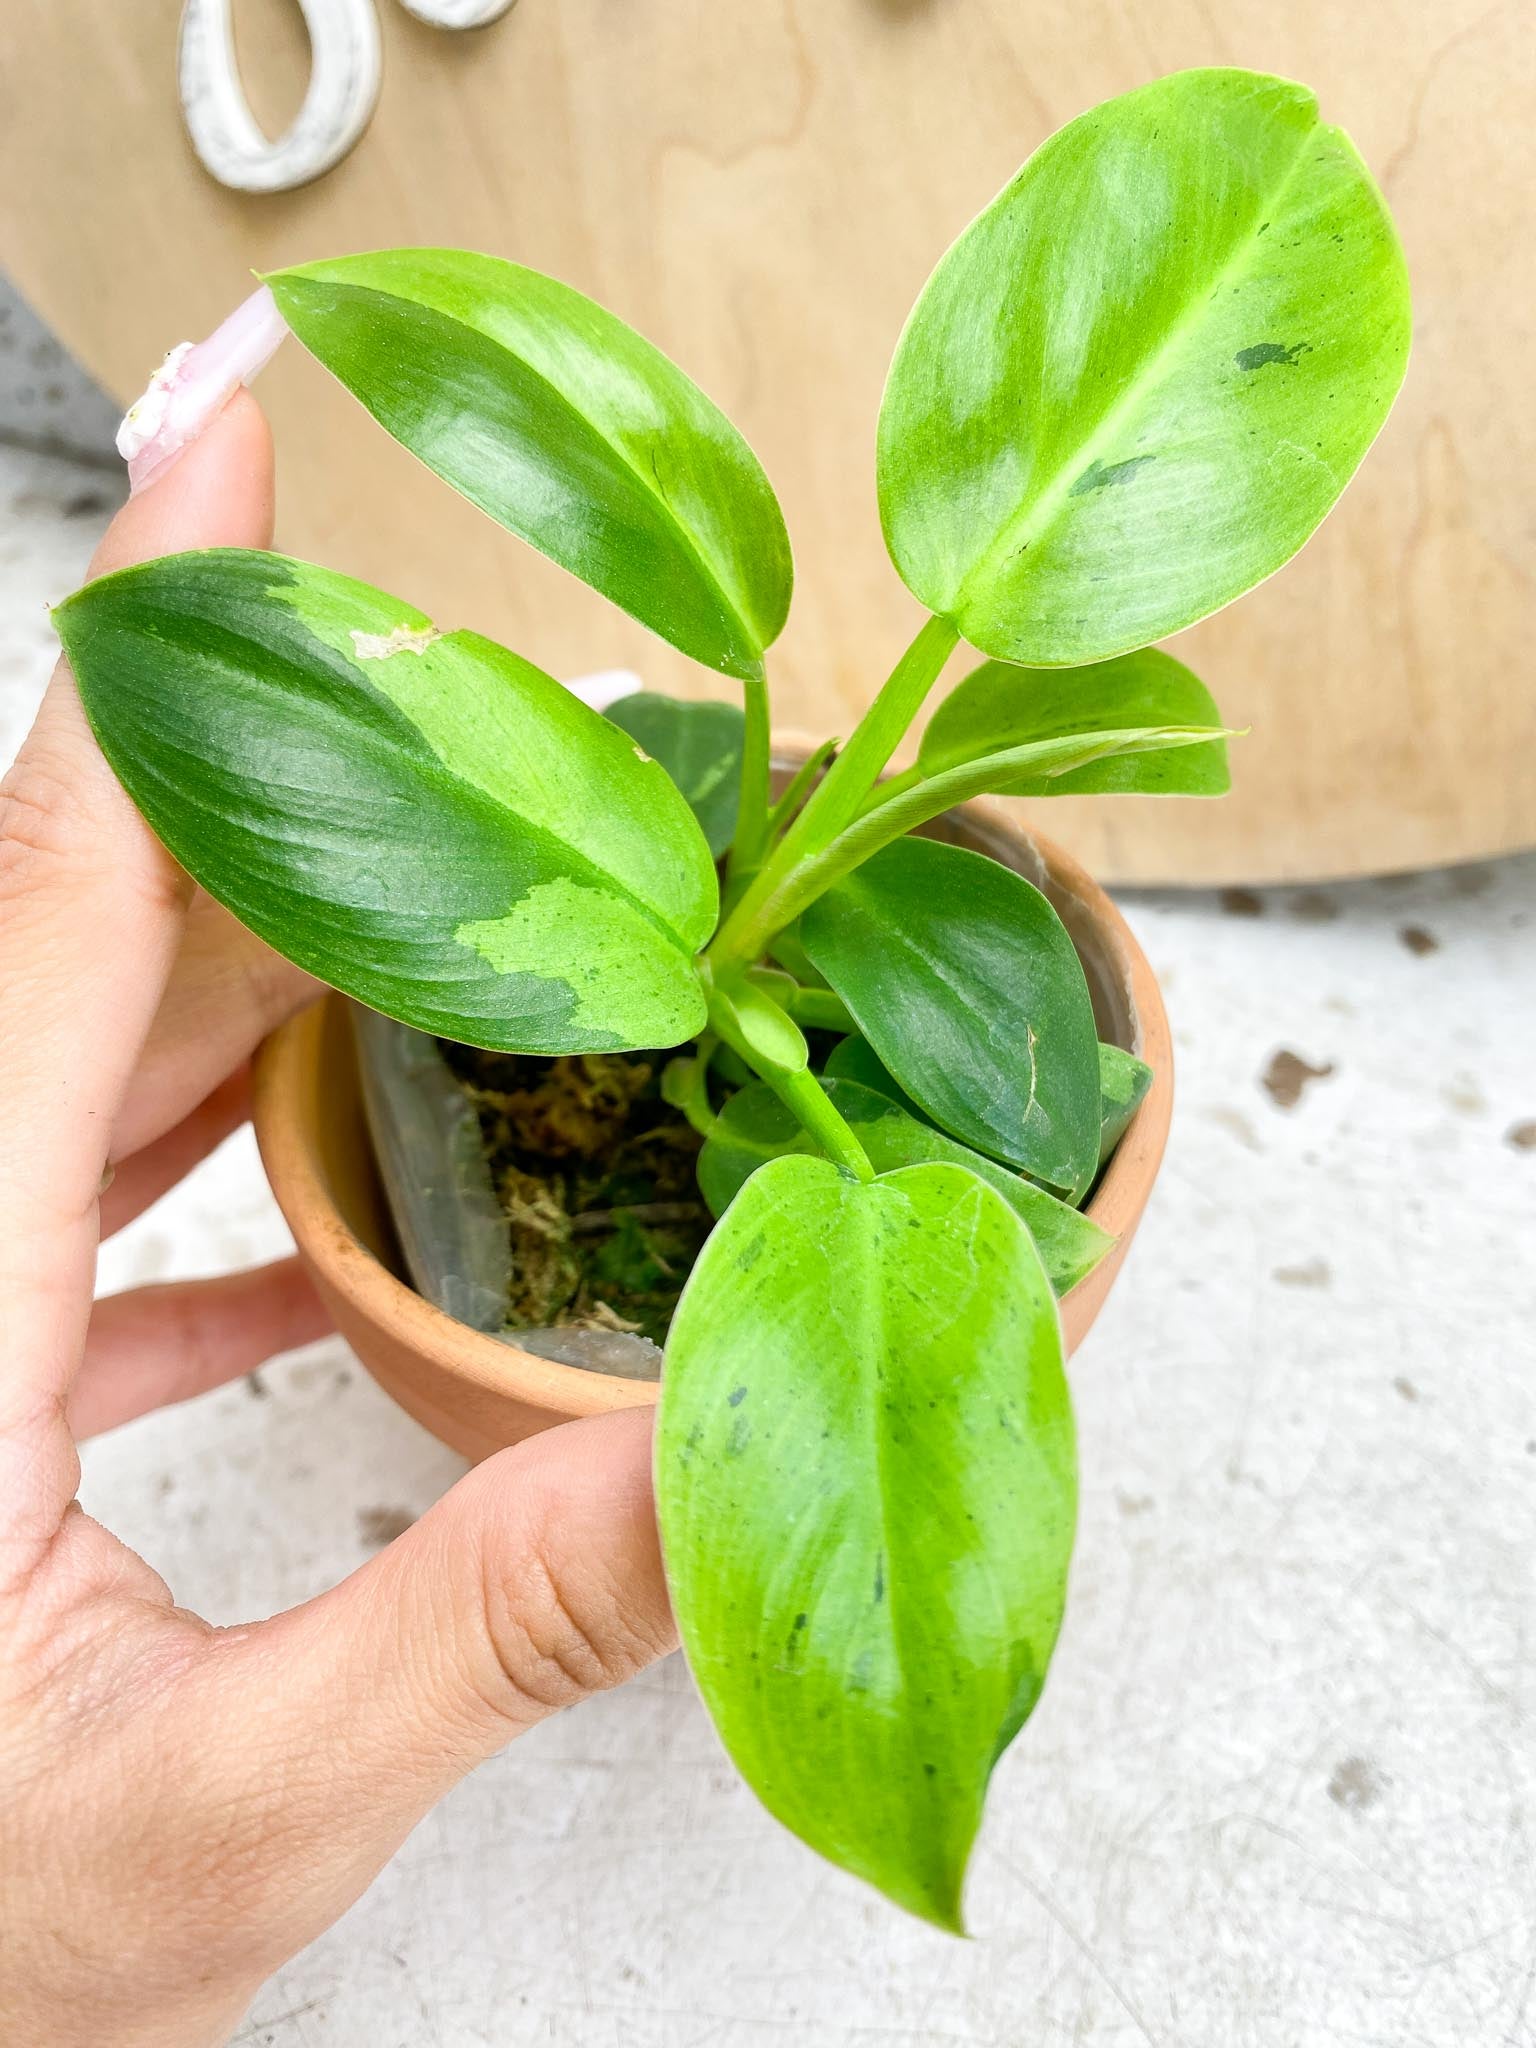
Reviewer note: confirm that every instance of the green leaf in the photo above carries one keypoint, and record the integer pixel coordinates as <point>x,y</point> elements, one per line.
<point>963,979</point>
<point>867,1487</point>
<point>420,819</point>
<point>564,424</point>
<point>854,1059</point>
<point>1123,1082</point>
<point>755,1126</point>
<point>999,705</point>
<point>1138,381</point>
<point>699,745</point>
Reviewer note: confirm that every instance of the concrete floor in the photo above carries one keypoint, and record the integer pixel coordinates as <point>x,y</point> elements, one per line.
<point>1281,1792</point>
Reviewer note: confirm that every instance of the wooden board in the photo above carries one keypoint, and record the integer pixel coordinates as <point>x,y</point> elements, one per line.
<point>761,186</point>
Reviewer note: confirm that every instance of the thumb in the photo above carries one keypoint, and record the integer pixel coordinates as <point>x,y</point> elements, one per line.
<point>536,1581</point>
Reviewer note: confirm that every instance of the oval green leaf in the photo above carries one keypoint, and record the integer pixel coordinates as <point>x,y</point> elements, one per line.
<point>867,1487</point>
<point>421,819</point>
<point>565,425</point>
<point>699,745</point>
<point>755,1126</point>
<point>1138,381</point>
<point>963,979</point>
<point>1000,705</point>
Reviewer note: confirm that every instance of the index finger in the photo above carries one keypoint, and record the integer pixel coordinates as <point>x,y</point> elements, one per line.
<point>91,907</point>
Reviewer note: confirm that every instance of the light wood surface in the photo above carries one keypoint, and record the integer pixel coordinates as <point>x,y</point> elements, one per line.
<point>762,189</point>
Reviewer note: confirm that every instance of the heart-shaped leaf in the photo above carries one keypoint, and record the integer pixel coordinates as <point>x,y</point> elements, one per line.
<point>867,1487</point>
<point>755,1126</point>
<point>699,745</point>
<point>963,979</point>
<point>560,421</point>
<point>1139,380</point>
<point>420,819</point>
<point>1000,705</point>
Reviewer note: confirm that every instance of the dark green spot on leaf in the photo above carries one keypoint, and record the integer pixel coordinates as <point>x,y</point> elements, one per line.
<point>1264,352</point>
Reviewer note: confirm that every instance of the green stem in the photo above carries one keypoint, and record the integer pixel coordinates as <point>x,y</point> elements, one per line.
<point>909,807</point>
<point>764,1035</point>
<point>840,797</point>
<point>805,775</point>
<point>752,815</point>
<point>892,786</point>
<point>804,1095</point>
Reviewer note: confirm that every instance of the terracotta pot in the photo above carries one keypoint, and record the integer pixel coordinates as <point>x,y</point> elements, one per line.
<point>477,1393</point>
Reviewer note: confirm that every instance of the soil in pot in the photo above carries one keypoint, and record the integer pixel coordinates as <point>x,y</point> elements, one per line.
<point>594,1173</point>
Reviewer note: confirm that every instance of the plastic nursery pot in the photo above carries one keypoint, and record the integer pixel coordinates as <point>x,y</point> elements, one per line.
<point>477,1392</point>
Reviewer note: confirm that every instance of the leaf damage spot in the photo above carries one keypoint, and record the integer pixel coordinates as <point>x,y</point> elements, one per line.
<point>398,640</point>
<point>1263,353</point>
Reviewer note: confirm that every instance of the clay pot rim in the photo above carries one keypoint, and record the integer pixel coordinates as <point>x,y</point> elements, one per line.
<point>347,1265</point>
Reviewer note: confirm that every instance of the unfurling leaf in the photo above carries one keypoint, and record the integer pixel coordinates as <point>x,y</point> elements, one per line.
<point>1000,705</point>
<point>964,981</point>
<point>867,1488</point>
<point>1138,381</point>
<point>421,819</point>
<point>557,419</point>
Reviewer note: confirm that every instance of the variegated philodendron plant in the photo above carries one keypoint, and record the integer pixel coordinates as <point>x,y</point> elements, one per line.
<point>1131,390</point>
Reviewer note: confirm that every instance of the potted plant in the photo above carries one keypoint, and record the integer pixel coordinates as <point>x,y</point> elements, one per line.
<point>1129,392</point>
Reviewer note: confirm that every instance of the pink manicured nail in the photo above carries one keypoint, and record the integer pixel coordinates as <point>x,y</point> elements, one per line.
<point>194,384</point>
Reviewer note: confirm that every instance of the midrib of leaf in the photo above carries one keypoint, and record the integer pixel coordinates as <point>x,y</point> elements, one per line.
<point>651,485</point>
<point>872,1317</point>
<point>913,1660</point>
<point>1032,519</point>
<point>908,947</point>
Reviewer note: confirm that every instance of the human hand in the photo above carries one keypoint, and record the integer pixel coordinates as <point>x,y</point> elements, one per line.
<point>183,1807</point>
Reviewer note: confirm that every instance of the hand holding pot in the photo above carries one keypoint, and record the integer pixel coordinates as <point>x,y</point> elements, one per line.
<point>181,1807</point>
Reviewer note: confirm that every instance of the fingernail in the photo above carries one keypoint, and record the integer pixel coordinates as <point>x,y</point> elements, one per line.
<point>193,385</point>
